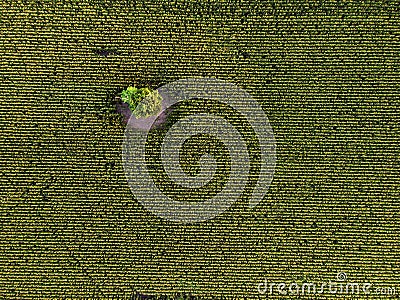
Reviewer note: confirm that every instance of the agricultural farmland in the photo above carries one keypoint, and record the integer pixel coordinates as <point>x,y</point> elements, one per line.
<point>326,75</point>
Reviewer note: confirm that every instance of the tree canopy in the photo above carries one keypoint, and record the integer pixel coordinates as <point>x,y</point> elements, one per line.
<point>143,102</point>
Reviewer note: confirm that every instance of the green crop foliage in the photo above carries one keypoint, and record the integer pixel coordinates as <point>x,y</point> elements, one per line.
<point>143,102</point>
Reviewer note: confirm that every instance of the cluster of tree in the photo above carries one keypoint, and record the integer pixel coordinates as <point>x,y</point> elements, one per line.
<point>143,102</point>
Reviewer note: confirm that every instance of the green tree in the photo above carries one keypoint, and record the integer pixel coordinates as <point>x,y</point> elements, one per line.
<point>143,102</point>
<point>150,105</point>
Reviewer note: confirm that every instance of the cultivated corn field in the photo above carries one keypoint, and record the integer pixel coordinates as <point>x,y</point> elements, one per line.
<point>326,74</point>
